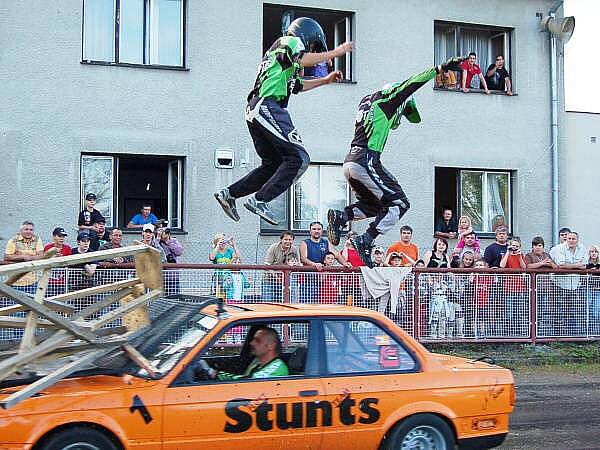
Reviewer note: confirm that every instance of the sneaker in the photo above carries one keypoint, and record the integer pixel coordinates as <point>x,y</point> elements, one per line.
<point>227,202</point>
<point>336,225</point>
<point>364,247</point>
<point>261,209</point>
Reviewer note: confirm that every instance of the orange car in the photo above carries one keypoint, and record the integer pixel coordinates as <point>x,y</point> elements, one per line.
<point>346,378</point>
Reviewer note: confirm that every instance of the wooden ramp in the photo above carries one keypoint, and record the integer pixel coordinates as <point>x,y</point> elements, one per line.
<point>72,338</point>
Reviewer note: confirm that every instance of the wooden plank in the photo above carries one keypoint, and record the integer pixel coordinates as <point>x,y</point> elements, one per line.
<point>47,313</point>
<point>51,378</point>
<point>12,364</point>
<point>52,304</point>
<point>16,277</point>
<point>21,322</point>
<point>72,260</point>
<point>105,302</point>
<point>137,318</point>
<point>148,267</point>
<point>28,339</point>
<point>140,359</point>
<point>116,335</point>
<point>94,290</point>
<point>124,309</point>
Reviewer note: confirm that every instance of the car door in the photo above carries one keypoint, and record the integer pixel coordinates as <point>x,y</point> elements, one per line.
<point>265,414</point>
<point>369,374</point>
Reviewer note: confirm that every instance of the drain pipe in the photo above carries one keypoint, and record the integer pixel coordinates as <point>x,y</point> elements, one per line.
<point>554,125</point>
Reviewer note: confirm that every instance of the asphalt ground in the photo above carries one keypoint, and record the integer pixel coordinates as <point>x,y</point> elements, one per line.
<point>558,407</point>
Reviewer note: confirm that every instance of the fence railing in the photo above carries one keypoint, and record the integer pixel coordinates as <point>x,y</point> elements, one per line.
<point>433,305</point>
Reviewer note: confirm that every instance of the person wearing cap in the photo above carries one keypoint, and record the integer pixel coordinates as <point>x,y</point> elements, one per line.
<point>283,155</point>
<point>98,234</point>
<point>25,246</point>
<point>149,239</point>
<point>90,214</point>
<point>378,256</point>
<point>58,241</point>
<point>145,216</point>
<point>378,193</point>
<point>83,246</point>
<point>495,252</point>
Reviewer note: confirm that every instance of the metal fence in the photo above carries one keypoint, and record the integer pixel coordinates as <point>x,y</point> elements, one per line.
<point>437,305</point>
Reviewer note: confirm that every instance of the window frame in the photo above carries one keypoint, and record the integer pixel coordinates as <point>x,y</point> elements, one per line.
<point>457,206</point>
<point>349,19</point>
<point>485,173</point>
<point>313,335</point>
<point>145,39</point>
<point>398,339</point>
<point>115,202</point>
<point>495,31</point>
<point>287,225</point>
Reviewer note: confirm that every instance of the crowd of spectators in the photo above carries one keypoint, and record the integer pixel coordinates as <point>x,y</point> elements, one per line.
<point>92,235</point>
<point>496,77</point>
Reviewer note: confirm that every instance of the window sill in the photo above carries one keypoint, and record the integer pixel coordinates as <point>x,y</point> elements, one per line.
<point>132,231</point>
<point>475,91</point>
<point>138,66</point>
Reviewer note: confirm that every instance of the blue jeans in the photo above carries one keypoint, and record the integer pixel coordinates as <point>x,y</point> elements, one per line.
<point>515,312</point>
<point>594,311</point>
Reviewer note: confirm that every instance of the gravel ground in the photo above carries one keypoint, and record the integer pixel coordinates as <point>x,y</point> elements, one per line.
<point>558,407</point>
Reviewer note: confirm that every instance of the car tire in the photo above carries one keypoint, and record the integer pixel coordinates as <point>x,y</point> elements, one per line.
<point>79,438</point>
<point>423,431</point>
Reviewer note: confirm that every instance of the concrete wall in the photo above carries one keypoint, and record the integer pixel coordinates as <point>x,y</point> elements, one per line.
<point>579,162</point>
<point>55,108</point>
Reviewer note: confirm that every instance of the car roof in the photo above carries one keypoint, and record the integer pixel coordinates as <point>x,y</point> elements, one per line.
<point>243,310</point>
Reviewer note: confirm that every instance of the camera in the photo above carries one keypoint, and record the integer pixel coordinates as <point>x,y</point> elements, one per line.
<point>513,249</point>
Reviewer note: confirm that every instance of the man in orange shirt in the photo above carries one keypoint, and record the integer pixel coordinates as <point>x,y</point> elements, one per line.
<point>408,251</point>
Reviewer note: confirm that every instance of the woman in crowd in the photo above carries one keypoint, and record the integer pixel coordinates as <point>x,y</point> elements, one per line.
<point>438,256</point>
<point>594,288</point>
<point>349,252</point>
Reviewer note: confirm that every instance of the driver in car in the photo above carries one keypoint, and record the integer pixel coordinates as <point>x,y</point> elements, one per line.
<point>266,347</point>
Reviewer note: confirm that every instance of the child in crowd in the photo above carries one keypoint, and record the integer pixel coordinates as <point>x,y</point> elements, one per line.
<point>481,285</point>
<point>594,288</point>
<point>235,283</point>
<point>58,241</point>
<point>440,308</point>
<point>420,263</point>
<point>330,281</point>
<point>468,243</point>
<point>378,257</point>
<point>349,251</point>
<point>515,288</point>
<point>296,278</point>
<point>465,228</point>
<point>394,259</point>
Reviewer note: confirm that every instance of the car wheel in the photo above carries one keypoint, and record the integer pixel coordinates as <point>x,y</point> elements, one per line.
<point>79,438</point>
<point>423,432</point>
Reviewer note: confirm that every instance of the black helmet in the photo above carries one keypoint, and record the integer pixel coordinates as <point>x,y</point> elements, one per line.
<point>310,32</point>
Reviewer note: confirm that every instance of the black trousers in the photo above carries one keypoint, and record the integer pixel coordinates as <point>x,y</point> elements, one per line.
<point>377,191</point>
<point>278,143</point>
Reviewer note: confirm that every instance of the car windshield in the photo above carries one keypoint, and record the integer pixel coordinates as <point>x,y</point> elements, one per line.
<point>175,328</point>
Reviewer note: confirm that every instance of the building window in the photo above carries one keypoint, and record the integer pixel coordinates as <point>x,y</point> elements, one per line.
<point>453,39</point>
<point>337,26</point>
<point>145,32</point>
<point>123,183</point>
<point>322,186</point>
<point>485,196</point>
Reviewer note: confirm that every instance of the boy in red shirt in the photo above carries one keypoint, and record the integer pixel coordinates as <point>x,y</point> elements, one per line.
<point>58,240</point>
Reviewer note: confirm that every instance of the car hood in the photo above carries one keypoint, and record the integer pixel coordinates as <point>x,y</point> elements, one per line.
<point>458,364</point>
<point>83,393</point>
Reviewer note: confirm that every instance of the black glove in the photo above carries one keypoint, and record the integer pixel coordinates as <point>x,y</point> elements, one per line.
<point>453,63</point>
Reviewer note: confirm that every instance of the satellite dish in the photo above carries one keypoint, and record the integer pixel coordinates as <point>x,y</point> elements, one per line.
<point>562,28</point>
